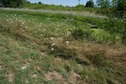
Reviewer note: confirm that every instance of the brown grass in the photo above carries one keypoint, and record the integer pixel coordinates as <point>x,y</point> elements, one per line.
<point>54,76</point>
<point>82,50</point>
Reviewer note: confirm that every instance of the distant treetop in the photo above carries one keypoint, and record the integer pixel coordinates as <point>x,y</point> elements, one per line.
<point>89,3</point>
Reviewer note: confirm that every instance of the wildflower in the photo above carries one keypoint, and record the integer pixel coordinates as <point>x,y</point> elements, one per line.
<point>35,76</point>
<point>24,67</point>
<point>67,42</point>
<point>41,34</point>
<point>53,44</point>
<point>27,81</point>
<point>23,30</point>
<point>44,29</point>
<point>52,49</point>
<point>51,38</point>
<point>26,27</point>
<point>23,23</point>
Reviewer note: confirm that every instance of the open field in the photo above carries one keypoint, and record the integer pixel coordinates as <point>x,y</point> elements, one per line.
<point>58,7</point>
<point>46,48</point>
<point>80,13</point>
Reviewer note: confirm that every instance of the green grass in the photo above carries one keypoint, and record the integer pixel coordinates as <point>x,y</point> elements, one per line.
<point>58,7</point>
<point>38,48</point>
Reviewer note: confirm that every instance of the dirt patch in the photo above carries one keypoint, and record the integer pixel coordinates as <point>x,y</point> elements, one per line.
<point>10,77</point>
<point>54,76</point>
<point>76,79</point>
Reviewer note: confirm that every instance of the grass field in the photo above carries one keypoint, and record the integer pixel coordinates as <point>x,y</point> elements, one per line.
<point>44,48</point>
<point>58,7</point>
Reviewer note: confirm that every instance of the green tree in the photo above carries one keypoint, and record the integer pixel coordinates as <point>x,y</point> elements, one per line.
<point>103,3</point>
<point>89,3</point>
<point>12,3</point>
<point>116,23</point>
<point>80,6</point>
<point>120,7</point>
<point>119,13</point>
<point>39,2</point>
<point>28,2</point>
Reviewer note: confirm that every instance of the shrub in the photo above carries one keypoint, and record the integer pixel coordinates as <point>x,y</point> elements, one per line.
<point>80,6</point>
<point>117,28</point>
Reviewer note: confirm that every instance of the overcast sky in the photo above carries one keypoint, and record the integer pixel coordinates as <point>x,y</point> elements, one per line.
<point>61,2</point>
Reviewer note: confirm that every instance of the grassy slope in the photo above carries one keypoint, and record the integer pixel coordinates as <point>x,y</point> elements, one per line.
<point>54,7</point>
<point>39,48</point>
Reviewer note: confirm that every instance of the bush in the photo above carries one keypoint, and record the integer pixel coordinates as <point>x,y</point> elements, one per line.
<point>80,6</point>
<point>117,28</point>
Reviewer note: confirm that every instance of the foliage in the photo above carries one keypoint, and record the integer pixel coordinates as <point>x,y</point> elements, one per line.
<point>39,2</point>
<point>119,7</point>
<point>28,2</point>
<point>12,3</point>
<point>80,6</point>
<point>89,3</point>
<point>116,12</point>
<point>103,3</point>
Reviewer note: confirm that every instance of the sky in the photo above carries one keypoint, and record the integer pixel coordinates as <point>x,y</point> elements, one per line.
<point>61,2</point>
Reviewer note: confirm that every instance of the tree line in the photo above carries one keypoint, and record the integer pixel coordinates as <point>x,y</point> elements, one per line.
<point>12,3</point>
<point>17,3</point>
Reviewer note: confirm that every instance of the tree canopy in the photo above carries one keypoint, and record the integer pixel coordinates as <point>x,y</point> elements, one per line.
<point>90,3</point>
<point>121,6</point>
<point>12,3</point>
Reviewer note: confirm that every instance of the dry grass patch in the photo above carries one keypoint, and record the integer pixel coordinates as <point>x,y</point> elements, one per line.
<point>76,79</point>
<point>54,76</point>
<point>87,52</point>
<point>10,77</point>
